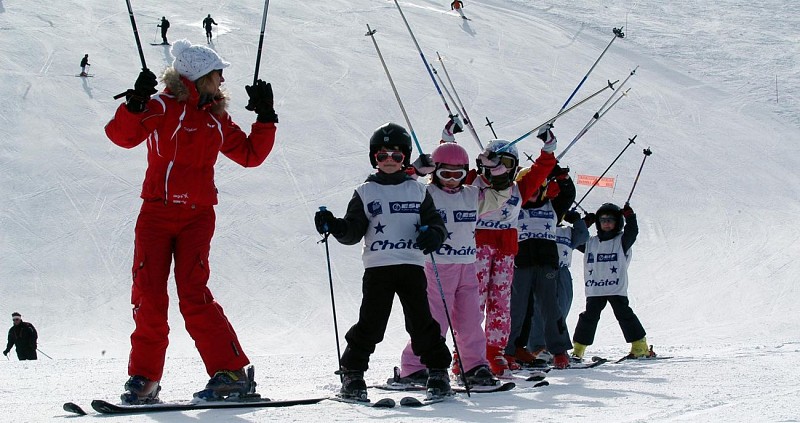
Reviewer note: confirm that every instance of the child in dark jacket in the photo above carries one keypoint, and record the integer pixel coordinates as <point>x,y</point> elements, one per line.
<point>397,219</point>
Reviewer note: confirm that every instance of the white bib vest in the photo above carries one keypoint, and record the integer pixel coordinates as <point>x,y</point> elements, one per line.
<point>605,267</point>
<point>393,214</point>
<point>460,214</point>
<point>564,244</point>
<point>504,217</point>
<point>538,223</point>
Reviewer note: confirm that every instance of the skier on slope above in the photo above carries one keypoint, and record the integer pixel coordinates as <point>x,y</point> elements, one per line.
<point>24,336</point>
<point>496,233</point>
<point>84,64</point>
<point>186,128</point>
<point>605,269</point>
<point>207,22</point>
<point>457,5</point>
<point>388,211</point>
<point>455,264</point>
<point>164,25</point>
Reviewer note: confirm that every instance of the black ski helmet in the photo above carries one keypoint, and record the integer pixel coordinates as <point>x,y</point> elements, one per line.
<point>390,135</point>
<point>613,210</point>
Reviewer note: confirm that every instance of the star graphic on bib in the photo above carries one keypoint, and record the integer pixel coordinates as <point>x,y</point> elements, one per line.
<point>505,212</point>
<point>590,271</point>
<point>547,226</point>
<point>613,269</point>
<point>449,235</point>
<point>524,227</point>
<point>566,253</point>
<point>379,228</point>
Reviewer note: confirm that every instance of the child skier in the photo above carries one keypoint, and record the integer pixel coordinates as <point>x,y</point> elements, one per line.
<point>496,233</point>
<point>399,223</point>
<point>455,262</point>
<point>605,269</point>
<point>536,270</point>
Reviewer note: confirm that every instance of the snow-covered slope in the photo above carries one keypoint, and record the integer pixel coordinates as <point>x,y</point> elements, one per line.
<point>715,267</point>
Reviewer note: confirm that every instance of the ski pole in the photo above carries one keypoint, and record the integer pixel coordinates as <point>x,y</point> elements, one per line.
<point>138,46</point>
<point>630,141</point>
<point>447,314</point>
<point>424,61</point>
<point>37,349</point>
<point>460,104</point>
<point>561,113</point>
<point>598,114</point>
<point>647,153</point>
<point>371,33</point>
<point>489,124</point>
<point>261,41</point>
<point>617,34</point>
<point>155,36</point>
<point>324,240</point>
<point>589,126</point>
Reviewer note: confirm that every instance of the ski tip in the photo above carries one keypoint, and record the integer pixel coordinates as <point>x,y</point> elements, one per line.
<point>71,407</point>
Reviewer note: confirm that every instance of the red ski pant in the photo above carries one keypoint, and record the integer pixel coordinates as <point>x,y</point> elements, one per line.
<point>164,231</point>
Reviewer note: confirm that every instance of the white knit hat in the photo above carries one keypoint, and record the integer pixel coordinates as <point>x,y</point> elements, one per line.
<point>194,61</point>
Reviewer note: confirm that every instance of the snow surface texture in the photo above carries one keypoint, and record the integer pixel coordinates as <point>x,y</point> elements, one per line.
<point>714,278</point>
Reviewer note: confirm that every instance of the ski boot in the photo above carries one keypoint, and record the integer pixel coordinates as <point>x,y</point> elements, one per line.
<point>420,377</point>
<point>578,350</point>
<point>140,390</point>
<point>639,349</point>
<point>438,384</point>
<point>497,363</point>
<point>353,385</point>
<point>230,384</point>
<point>561,360</point>
<point>456,369</point>
<point>524,357</point>
<point>481,376</point>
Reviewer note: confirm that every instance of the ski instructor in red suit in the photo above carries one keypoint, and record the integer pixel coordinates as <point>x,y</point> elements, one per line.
<point>185,128</point>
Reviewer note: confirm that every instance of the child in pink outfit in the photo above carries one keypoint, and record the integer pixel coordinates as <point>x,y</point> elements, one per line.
<point>496,233</point>
<point>455,263</point>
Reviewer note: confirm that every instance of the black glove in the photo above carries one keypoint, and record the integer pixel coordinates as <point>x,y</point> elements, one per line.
<point>428,241</point>
<point>571,216</point>
<point>145,86</point>
<point>627,211</point>
<point>590,218</point>
<point>423,165</point>
<point>326,222</point>
<point>261,101</point>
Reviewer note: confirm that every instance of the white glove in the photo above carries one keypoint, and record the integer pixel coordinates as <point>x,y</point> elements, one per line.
<point>546,135</point>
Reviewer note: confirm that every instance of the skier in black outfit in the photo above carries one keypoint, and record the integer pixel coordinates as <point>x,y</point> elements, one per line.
<point>164,25</point>
<point>389,211</point>
<point>207,22</point>
<point>84,64</point>
<point>24,336</point>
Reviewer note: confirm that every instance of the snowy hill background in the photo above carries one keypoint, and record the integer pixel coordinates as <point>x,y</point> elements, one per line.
<point>716,268</point>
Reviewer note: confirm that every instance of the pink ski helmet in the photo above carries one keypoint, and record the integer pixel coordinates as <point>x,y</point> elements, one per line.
<point>450,153</point>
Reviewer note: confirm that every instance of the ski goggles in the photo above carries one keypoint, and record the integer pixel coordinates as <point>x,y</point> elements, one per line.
<point>16,319</point>
<point>451,174</point>
<point>508,162</point>
<point>607,219</point>
<point>396,156</point>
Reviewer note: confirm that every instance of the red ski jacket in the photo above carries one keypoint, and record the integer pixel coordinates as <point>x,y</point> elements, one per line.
<point>183,142</point>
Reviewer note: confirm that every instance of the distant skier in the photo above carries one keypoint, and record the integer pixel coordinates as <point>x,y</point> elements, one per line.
<point>84,64</point>
<point>207,22</point>
<point>164,25</point>
<point>605,268</point>
<point>24,336</point>
<point>457,5</point>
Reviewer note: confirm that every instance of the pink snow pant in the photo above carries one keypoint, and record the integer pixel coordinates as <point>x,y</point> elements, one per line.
<point>183,231</point>
<point>495,274</point>
<point>460,286</point>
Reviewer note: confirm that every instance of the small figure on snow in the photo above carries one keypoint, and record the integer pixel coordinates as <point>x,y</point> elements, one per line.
<point>457,5</point>
<point>24,336</point>
<point>407,234</point>
<point>84,64</point>
<point>207,22</point>
<point>164,25</point>
<point>185,129</point>
<point>607,256</point>
<point>496,233</point>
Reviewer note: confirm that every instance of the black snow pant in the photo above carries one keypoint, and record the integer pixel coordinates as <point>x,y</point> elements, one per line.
<point>164,35</point>
<point>587,321</point>
<point>379,286</point>
<point>26,353</point>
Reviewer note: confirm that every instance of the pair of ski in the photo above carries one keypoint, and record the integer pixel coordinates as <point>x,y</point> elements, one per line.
<point>105,407</point>
<point>632,358</point>
<point>390,403</point>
